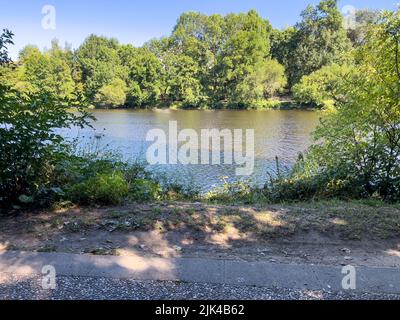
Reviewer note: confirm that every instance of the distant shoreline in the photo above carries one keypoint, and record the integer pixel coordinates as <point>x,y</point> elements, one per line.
<point>284,104</point>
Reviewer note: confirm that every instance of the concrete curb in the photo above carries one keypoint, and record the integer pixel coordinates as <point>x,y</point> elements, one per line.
<point>263,274</point>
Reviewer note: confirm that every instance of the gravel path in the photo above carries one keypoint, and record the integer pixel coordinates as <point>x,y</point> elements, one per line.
<point>95,288</point>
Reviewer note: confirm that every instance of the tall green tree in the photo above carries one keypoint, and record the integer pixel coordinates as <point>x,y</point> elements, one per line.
<point>247,46</point>
<point>227,50</point>
<point>48,73</point>
<point>182,83</point>
<point>100,64</point>
<point>319,89</point>
<point>319,40</point>
<point>112,95</point>
<point>144,76</point>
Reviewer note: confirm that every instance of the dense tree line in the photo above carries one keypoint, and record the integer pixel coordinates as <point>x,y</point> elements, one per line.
<point>208,61</point>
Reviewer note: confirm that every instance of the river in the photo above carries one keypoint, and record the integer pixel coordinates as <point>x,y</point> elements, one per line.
<point>282,133</point>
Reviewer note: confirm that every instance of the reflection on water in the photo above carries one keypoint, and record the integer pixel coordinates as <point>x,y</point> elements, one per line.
<point>282,133</point>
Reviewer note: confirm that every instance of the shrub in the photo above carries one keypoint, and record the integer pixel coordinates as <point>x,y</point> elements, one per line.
<point>29,146</point>
<point>359,140</point>
<point>107,189</point>
<point>318,88</point>
<point>144,190</point>
<point>112,95</point>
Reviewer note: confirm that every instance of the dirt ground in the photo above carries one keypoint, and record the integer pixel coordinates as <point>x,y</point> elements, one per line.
<point>333,233</point>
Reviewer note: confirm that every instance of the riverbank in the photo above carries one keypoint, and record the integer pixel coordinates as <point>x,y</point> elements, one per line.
<point>278,103</point>
<point>333,232</point>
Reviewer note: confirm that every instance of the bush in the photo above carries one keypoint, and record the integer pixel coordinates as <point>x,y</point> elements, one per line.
<point>320,186</point>
<point>359,149</point>
<point>29,147</point>
<point>144,190</point>
<point>112,95</point>
<point>318,88</point>
<point>107,189</point>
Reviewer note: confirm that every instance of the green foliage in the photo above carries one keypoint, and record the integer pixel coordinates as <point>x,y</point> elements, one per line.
<point>209,61</point>
<point>38,167</point>
<point>183,87</point>
<point>238,191</point>
<point>318,89</point>
<point>28,143</point>
<point>283,45</point>
<point>213,61</point>
<point>107,189</point>
<point>306,182</point>
<point>29,146</point>
<point>145,190</point>
<point>359,150</point>
<point>6,39</point>
<point>263,83</point>
<point>45,73</point>
<point>274,78</point>
<point>318,40</point>
<point>100,64</point>
<point>111,95</point>
<point>265,104</point>
<point>364,134</point>
<point>222,52</point>
<point>144,75</point>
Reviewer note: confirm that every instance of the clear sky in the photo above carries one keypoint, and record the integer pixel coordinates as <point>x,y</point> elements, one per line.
<point>136,21</point>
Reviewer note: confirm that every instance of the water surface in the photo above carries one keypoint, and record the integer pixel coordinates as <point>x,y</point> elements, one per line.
<point>282,133</point>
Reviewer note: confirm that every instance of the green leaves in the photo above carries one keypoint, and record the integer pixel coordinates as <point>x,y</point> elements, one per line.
<point>225,52</point>
<point>45,73</point>
<point>360,138</point>
<point>29,144</point>
<point>100,64</point>
<point>112,95</point>
<point>144,76</point>
<point>318,40</point>
<point>5,40</point>
<point>320,89</point>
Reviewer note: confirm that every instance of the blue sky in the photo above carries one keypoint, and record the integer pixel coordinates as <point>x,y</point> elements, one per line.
<point>136,21</point>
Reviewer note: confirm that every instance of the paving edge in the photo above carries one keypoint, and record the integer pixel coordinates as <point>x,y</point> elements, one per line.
<point>263,274</point>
